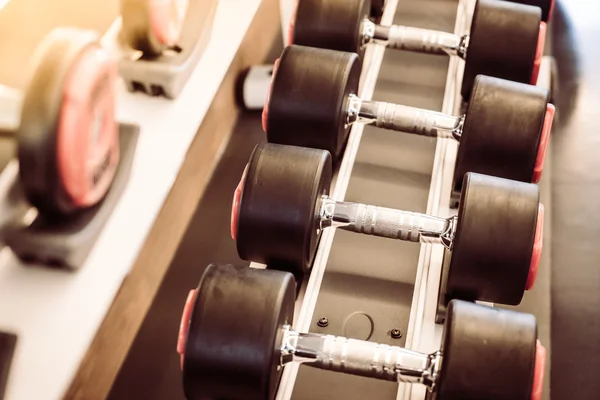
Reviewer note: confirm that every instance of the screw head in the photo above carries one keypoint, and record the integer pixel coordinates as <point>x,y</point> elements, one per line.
<point>323,322</point>
<point>396,334</point>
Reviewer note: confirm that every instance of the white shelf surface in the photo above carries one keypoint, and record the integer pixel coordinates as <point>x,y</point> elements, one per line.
<point>56,314</point>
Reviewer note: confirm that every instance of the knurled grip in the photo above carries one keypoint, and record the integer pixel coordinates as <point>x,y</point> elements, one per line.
<point>370,359</point>
<point>395,224</point>
<point>406,119</point>
<point>421,40</point>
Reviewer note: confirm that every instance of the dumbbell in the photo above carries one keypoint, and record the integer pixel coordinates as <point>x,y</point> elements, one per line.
<point>281,206</point>
<point>67,136</point>
<point>235,338</point>
<point>547,7</point>
<point>506,39</point>
<point>313,103</point>
<point>152,26</point>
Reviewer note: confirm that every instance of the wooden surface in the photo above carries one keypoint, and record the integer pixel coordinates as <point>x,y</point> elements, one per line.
<point>24,23</point>
<point>111,344</point>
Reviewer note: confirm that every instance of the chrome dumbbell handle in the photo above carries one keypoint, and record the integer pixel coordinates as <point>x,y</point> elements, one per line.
<point>416,39</point>
<point>358,357</point>
<point>404,118</point>
<point>387,222</point>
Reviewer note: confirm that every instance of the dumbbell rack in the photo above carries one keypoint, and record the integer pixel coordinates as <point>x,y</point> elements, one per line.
<point>57,314</point>
<point>366,287</point>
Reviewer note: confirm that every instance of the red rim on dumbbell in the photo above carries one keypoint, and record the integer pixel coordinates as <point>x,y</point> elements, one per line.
<point>186,316</point>
<point>265,112</point>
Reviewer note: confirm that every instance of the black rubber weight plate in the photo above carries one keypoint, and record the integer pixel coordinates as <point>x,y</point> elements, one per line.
<point>503,42</point>
<point>488,353</point>
<point>494,240</point>
<point>309,97</point>
<point>38,131</point>
<point>502,130</point>
<point>545,5</point>
<point>331,24</point>
<point>234,334</point>
<point>279,206</point>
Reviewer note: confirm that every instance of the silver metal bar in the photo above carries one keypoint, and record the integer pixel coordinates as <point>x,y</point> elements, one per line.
<point>407,119</point>
<point>417,40</point>
<point>387,222</point>
<point>359,357</point>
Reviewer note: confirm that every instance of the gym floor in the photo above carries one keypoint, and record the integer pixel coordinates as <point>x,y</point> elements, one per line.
<point>151,370</point>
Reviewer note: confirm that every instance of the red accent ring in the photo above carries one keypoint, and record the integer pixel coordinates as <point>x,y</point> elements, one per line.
<point>265,113</point>
<point>543,146</point>
<point>539,53</point>
<point>235,206</point>
<point>539,372</point>
<point>290,38</point>
<point>536,254</point>
<point>185,323</point>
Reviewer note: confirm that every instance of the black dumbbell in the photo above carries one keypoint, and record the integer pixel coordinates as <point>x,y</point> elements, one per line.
<point>236,336</point>
<point>152,26</point>
<point>506,39</point>
<point>281,207</point>
<point>313,103</point>
<point>547,7</point>
<point>67,136</point>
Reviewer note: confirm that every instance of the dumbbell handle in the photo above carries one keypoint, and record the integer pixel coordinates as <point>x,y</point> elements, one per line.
<point>387,222</point>
<point>407,119</point>
<point>359,357</point>
<point>418,40</point>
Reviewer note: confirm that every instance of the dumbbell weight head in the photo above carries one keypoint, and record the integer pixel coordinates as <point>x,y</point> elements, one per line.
<point>506,131</point>
<point>276,207</point>
<point>547,7</point>
<point>506,40</point>
<point>308,100</point>
<point>490,353</point>
<point>151,26</point>
<point>68,145</point>
<point>498,240</point>
<point>229,333</point>
<point>331,24</point>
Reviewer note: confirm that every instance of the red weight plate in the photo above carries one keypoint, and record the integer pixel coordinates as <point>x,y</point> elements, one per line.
<point>539,53</point>
<point>265,113</point>
<point>185,323</point>
<point>538,372</point>
<point>290,38</point>
<point>543,146</point>
<point>536,255</point>
<point>235,206</point>
<point>87,136</point>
